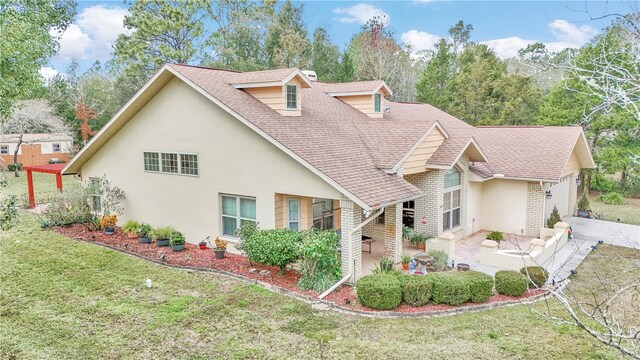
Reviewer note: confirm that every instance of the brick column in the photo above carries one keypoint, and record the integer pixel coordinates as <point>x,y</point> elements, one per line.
<point>535,208</point>
<point>351,246</point>
<point>393,232</point>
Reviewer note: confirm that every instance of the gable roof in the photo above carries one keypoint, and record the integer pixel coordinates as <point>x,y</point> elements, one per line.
<point>356,88</point>
<point>450,151</point>
<point>264,78</point>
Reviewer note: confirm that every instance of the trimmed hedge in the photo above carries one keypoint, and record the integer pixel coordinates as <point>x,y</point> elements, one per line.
<point>537,275</point>
<point>416,289</point>
<point>379,291</point>
<point>274,247</point>
<point>450,288</point>
<point>480,285</point>
<point>512,283</point>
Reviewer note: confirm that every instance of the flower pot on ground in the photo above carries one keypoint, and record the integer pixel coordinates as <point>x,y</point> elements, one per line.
<point>131,228</point>
<point>220,249</point>
<point>162,235</point>
<point>419,240</point>
<point>177,241</point>
<point>108,223</point>
<point>406,259</point>
<point>144,233</point>
<point>463,267</point>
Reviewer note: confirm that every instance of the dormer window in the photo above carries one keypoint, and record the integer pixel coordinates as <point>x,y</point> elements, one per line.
<point>377,98</point>
<point>292,97</point>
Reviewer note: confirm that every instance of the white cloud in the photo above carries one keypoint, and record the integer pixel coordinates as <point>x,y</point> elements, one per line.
<point>93,34</point>
<point>566,35</point>
<point>47,72</point>
<point>419,40</point>
<point>360,13</point>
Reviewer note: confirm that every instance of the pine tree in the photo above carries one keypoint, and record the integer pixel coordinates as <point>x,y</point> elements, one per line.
<point>554,218</point>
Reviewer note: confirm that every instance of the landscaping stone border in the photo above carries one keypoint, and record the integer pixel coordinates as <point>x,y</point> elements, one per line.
<point>319,304</point>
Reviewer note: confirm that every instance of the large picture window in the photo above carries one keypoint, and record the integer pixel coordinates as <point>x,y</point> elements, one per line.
<point>171,163</point>
<point>292,97</point>
<point>451,200</point>
<point>236,211</point>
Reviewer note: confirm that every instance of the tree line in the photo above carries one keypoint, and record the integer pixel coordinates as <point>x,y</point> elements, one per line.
<point>595,87</point>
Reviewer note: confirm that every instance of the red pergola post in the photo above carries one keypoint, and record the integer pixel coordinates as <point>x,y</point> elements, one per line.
<point>32,197</point>
<point>59,181</point>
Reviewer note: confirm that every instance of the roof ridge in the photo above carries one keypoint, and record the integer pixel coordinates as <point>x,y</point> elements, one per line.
<point>208,68</point>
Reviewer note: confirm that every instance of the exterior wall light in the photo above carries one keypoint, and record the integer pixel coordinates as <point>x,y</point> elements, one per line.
<point>548,194</point>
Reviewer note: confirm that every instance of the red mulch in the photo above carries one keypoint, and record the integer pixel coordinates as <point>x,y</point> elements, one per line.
<point>193,257</point>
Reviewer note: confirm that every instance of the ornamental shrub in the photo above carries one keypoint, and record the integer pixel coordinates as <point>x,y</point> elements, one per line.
<point>480,285</point>
<point>495,236</point>
<point>440,259</point>
<point>449,288</point>
<point>320,264</point>
<point>379,291</point>
<point>416,289</point>
<point>70,207</point>
<point>583,203</point>
<point>274,247</point>
<point>554,218</point>
<point>612,198</point>
<point>512,283</point>
<point>537,276</point>
<point>12,166</point>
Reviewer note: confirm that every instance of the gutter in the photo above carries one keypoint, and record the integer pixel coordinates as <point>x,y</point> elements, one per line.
<point>351,273</point>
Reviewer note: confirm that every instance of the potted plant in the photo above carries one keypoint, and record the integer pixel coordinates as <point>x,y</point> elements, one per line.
<point>177,241</point>
<point>386,264</point>
<point>108,223</point>
<point>221,247</point>
<point>162,235</point>
<point>496,236</point>
<point>144,233</point>
<point>406,259</point>
<point>131,228</point>
<point>419,240</point>
<point>203,244</point>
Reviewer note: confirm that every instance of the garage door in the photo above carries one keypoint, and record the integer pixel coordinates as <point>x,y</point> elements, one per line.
<point>559,198</point>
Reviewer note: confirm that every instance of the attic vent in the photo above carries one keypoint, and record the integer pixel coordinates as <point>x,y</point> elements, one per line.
<point>387,109</point>
<point>311,75</point>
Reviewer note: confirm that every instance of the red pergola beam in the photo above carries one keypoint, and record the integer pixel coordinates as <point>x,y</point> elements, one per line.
<point>48,169</point>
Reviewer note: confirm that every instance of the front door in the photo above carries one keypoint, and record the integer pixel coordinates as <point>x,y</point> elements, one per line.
<point>31,154</point>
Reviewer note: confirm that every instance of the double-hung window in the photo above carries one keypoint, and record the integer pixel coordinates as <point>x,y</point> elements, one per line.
<point>171,163</point>
<point>292,97</point>
<point>236,211</point>
<point>293,210</point>
<point>322,214</point>
<point>451,200</point>
<point>377,101</point>
<point>4,149</point>
<point>96,192</point>
<point>56,147</point>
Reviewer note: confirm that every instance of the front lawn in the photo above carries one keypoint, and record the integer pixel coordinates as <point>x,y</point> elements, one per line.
<point>61,298</point>
<point>44,185</point>
<point>628,213</point>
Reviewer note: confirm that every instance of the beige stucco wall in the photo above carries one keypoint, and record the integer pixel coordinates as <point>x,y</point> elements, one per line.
<point>474,212</point>
<point>503,205</point>
<point>232,159</point>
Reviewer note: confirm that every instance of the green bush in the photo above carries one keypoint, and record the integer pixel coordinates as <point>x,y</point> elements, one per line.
<point>583,203</point>
<point>274,247</point>
<point>162,233</point>
<point>537,275</point>
<point>480,285</point>
<point>495,236</point>
<point>612,198</point>
<point>440,259</point>
<point>320,265</point>
<point>416,289</point>
<point>512,283</point>
<point>12,166</point>
<point>416,239</point>
<point>602,183</point>
<point>554,218</point>
<point>449,288</point>
<point>70,207</point>
<point>131,226</point>
<point>176,238</point>
<point>379,291</point>
<point>145,230</point>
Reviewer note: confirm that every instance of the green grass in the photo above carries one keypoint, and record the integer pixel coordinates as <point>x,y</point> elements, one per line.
<point>628,213</point>
<point>60,298</point>
<point>44,186</point>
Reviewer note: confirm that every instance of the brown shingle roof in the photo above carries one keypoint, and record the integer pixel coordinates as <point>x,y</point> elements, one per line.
<point>254,76</point>
<point>356,86</point>
<point>448,151</point>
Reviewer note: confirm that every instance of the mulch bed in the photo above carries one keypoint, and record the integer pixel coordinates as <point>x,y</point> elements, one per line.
<point>194,257</point>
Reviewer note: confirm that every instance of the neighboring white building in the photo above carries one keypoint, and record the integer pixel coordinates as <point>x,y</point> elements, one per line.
<point>36,149</point>
<point>205,150</point>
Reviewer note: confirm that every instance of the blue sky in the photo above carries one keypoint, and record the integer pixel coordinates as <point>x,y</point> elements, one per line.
<point>504,25</point>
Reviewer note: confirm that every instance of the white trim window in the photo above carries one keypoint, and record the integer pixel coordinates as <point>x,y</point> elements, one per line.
<point>56,147</point>
<point>171,163</point>
<point>235,212</point>
<point>4,149</point>
<point>292,97</point>
<point>293,214</point>
<point>323,214</point>
<point>96,196</point>
<point>377,102</point>
<point>451,200</point>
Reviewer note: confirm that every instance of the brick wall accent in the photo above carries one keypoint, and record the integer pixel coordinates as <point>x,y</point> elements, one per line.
<point>351,216</point>
<point>535,206</point>
<point>393,232</point>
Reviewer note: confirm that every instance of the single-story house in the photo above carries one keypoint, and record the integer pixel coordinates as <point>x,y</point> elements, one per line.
<point>206,150</point>
<point>36,149</point>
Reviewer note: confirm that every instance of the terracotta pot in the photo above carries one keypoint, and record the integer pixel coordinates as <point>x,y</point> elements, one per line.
<point>405,266</point>
<point>420,246</point>
<point>132,235</point>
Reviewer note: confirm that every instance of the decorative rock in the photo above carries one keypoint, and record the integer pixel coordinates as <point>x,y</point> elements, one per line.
<point>265,272</point>
<point>253,271</point>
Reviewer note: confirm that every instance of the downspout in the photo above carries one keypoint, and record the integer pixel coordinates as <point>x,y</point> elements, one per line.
<point>352,272</point>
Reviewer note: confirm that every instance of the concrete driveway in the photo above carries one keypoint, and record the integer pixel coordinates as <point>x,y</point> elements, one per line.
<point>586,233</point>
